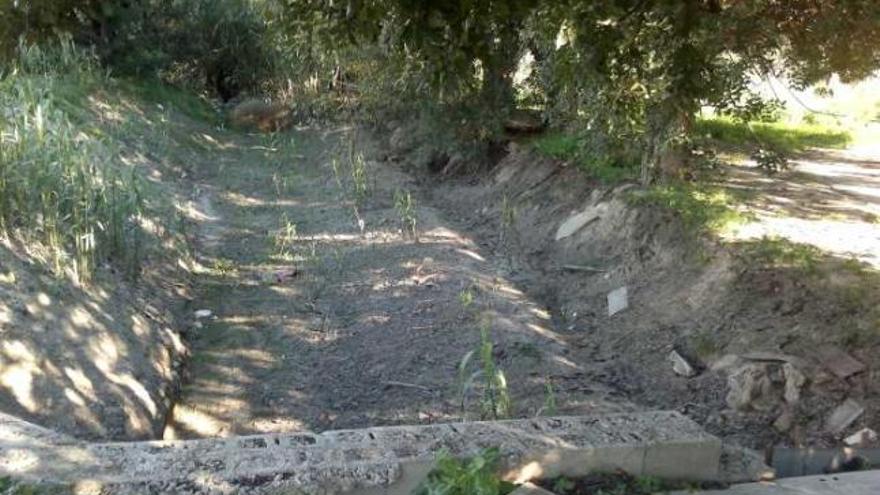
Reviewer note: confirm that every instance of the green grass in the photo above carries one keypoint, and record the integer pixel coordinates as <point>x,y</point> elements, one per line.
<point>60,185</point>
<point>784,137</point>
<point>775,252</point>
<point>570,148</point>
<point>157,92</point>
<point>702,208</point>
<point>73,150</point>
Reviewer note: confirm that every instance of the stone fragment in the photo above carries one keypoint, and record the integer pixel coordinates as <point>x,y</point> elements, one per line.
<point>747,385</point>
<point>794,381</point>
<point>578,221</point>
<point>680,365</point>
<point>784,422</point>
<point>843,416</point>
<point>618,300</point>
<point>861,438</point>
<point>839,362</point>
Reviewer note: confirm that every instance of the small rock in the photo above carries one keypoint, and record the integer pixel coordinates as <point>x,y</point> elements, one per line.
<point>203,313</point>
<point>784,422</point>
<point>794,380</point>
<point>843,416</point>
<point>861,438</point>
<point>680,365</point>
<point>618,300</point>
<point>839,362</point>
<point>197,325</point>
<point>282,276</point>
<point>747,385</point>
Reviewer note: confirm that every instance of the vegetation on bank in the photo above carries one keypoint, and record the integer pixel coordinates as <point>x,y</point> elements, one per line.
<point>627,77</point>
<point>783,136</point>
<point>70,188</point>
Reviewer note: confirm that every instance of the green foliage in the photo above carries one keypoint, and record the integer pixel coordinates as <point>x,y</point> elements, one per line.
<point>559,145</point>
<point>474,476</point>
<point>59,185</point>
<point>219,46</point>
<point>702,208</point>
<point>784,137</point>
<point>595,160</point>
<point>160,93</point>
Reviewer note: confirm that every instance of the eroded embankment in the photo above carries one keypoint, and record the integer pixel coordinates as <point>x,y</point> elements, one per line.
<point>767,338</point>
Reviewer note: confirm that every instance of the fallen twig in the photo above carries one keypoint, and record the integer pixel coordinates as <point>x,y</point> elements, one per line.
<point>407,385</point>
<point>583,268</point>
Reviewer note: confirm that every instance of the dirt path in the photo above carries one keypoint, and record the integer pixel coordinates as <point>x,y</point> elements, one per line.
<point>327,315</point>
<point>830,200</point>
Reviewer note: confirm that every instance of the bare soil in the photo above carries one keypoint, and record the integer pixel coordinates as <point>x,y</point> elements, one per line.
<point>360,323</point>
<point>363,324</point>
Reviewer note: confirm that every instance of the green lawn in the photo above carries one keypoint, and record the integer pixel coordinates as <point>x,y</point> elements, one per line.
<point>783,136</point>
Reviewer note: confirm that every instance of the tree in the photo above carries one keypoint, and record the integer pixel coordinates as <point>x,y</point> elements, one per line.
<point>643,68</point>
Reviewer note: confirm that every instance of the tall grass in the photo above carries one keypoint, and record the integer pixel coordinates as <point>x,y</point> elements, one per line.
<point>60,186</point>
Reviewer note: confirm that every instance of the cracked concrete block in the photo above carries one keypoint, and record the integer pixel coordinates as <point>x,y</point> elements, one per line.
<point>373,461</point>
<point>693,460</point>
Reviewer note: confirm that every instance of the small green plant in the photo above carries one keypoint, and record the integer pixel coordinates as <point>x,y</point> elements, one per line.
<point>284,238</point>
<point>406,212</point>
<point>360,187</point>
<point>549,408</point>
<point>494,396</point>
<point>224,268</point>
<point>466,297</point>
<point>474,476</point>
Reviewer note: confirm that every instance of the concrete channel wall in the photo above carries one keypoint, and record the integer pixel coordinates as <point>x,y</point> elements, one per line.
<point>371,461</point>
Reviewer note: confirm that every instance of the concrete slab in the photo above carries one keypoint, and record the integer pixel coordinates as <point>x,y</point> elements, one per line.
<point>385,460</point>
<point>858,483</point>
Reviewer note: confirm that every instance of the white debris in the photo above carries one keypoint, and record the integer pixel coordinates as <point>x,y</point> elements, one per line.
<point>861,438</point>
<point>578,221</point>
<point>203,313</point>
<point>617,301</point>
<point>680,365</point>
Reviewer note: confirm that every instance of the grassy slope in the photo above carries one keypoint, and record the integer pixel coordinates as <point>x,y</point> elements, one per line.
<point>94,245</point>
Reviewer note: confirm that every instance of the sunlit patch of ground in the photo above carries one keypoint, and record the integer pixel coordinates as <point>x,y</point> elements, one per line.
<point>829,199</point>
